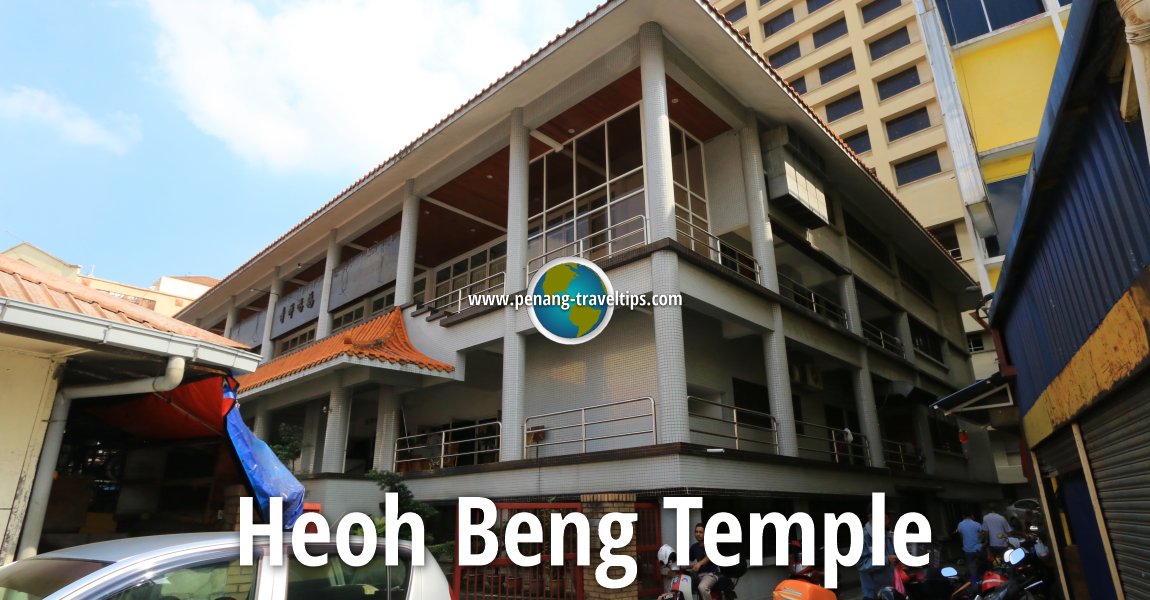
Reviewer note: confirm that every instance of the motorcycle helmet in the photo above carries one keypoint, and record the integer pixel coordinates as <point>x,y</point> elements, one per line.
<point>666,555</point>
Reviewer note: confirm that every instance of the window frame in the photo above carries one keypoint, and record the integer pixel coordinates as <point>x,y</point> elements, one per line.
<point>912,118</point>
<point>885,6</point>
<point>854,94</point>
<point>836,64</point>
<point>828,28</point>
<point>862,133</point>
<point>905,38</point>
<point>916,160</point>
<point>768,25</point>
<point>879,85</point>
<point>773,58</point>
<point>735,8</point>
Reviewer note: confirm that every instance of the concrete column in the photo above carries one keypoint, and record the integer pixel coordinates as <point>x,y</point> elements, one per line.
<point>261,428</point>
<point>656,134</point>
<point>860,377</point>
<point>514,280</point>
<point>1136,14</point>
<point>267,350</point>
<point>311,436</point>
<point>902,324</point>
<point>779,385</point>
<point>762,237</point>
<point>331,261</point>
<point>849,298</point>
<point>923,438</point>
<point>335,437</point>
<point>386,430</point>
<point>514,383</point>
<point>672,418</point>
<point>408,235</point>
<point>232,319</point>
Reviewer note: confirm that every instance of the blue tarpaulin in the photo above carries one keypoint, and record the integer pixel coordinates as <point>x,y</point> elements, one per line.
<point>268,476</point>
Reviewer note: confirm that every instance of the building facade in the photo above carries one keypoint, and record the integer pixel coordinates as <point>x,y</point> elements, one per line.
<point>1072,304</point>
<point>817,315</point>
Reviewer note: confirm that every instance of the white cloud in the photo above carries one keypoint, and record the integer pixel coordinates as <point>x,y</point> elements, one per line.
<point>73,123</point>
<point>333,84</point>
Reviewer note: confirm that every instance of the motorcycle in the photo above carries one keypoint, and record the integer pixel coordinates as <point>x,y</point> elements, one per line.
<point>797,570</point>
<point>1015,579</point>
<point>930,584</point>
<point>682,585</point>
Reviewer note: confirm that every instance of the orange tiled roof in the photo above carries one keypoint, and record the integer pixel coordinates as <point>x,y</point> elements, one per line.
<point>22,281</point>
<point>383,339</point>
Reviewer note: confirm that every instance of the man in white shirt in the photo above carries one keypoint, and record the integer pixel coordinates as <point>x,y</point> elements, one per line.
<point>997,529</point>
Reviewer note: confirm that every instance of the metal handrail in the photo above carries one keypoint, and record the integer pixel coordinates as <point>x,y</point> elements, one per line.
<point>440,455</point>
<point>838,449</point>
<point>582,250</point>
<point>901,455</point>
<point>727,255</point>
<point>439,303</point>
<point>737,424</point>
<point>879,336</point>
<point>812,300</point>
<point>534,434</point>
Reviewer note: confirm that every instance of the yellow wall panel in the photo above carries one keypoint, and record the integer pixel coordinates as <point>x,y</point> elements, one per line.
<point>1006,168</point>
<point>1004,85</point>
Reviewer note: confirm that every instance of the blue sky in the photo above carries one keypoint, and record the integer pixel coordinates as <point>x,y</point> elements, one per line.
<point>141,138</point>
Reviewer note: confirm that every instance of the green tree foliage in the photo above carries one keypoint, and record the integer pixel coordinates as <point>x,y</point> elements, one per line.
<point>393,483</point>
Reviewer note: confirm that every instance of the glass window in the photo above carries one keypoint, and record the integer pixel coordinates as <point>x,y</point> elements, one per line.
<point>963,19</point>
<point>917,168</point>
<point>1008,12</point>
<point>624,143</point>
<point>993,248</point>
<point>836,68</point>
<point>779,23</point>
<point>737,12</point>
<point>830,33</point>
<point>591,168</point>
<point>974,342</point>
<point>898,83</point>
<point>337,580</point>
<point>785,55</point>
<point>560,167</point>
<point>859,142</point>
<point>225,579</point>
<point>866,239</point>
<point>947,235</point>
<point>1005,198</point>
<point>813,5</point>
<point>37,578</point>
<point>799,84</point>
<point>878,8</point>
<point>900,127</point>
<point>889,43</point>
<point>844,106</point>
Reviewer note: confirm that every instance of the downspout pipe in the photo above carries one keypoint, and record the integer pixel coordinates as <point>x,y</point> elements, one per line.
<point>54,436</point>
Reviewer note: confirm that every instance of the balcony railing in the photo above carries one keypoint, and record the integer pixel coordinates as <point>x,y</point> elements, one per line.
<point>887,341</point>
<point>473,444</point>
<point>834,445</point>
<point>622,236</point>
<point>701,241</point>
<point>609,426</point>
<point>901,456</point>
<point>456,300</point>
<point>714,423</point>
<point>812,300</point>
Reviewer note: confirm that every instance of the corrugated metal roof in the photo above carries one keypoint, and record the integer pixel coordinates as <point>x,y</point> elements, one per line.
<point>381,339</point>
<point>22,281</point>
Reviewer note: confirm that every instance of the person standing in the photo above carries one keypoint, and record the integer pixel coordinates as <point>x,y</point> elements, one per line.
<point>997,529</point>
<point>875,575</point>
<point>706,572</point>
<point>971,532</point>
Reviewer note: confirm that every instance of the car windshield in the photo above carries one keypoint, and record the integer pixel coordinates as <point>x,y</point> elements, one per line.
<point>38,578</point>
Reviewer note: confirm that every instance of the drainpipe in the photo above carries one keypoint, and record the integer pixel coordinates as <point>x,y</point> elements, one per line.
<point>54,436</point>
<point>1136,14</point>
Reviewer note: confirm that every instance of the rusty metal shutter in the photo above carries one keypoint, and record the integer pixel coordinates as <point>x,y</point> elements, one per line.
<point>1119,452</point>
<point>1058,455</point>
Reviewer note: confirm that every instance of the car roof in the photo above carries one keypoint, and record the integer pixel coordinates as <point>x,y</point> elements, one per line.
<point>116,550</point>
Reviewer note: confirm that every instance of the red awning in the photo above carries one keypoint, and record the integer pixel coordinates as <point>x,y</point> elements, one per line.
<point>192,410</point>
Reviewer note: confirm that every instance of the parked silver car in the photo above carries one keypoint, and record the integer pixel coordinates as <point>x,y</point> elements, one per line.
<point>206,566</point>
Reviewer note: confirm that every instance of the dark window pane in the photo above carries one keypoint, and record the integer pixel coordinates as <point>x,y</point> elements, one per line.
<point>947,235</point>
<point>785,55</point>
<point>800,85</point>
<point>917,168</point>
<point>737,12</point>
<point>591,160</point>
<point>778,23</point>
<point>830,33</point>
<point>889,43</point>
<point>859,142</point>
<point>879,8</point>
<point>1009,12</point>
<point>914,279</point>
<point>560,172</point>
<point>626,142</point>
<point>695,166</point>
<point>844,106</point>
<point>836,68</point>
<point>898,83</point>
<point>900,127</point>
<point>813,5</point>
<point>866,239</point>
<point>993,248</point>
<point>1063,2</point>
<point>535,188</point>
<point>1005,197</point>
<point>678,160</point>
<point>962,19</point>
